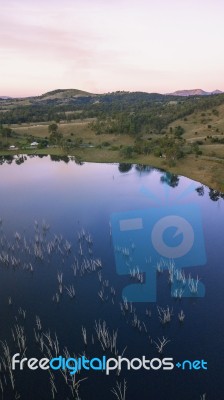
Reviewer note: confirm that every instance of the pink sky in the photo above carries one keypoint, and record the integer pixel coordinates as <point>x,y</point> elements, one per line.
<point>102,45</point>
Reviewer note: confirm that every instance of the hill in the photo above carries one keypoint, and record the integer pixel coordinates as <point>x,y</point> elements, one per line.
<point>194,92</point>
<point>63,94</point>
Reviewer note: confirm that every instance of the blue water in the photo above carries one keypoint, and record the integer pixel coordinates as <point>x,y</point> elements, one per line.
<point>81,200</point>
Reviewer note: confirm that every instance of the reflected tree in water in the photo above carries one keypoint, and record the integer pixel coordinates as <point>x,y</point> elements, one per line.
<point>124,167</point>
<point>214,194</point>
<point>170,179</point>
<point>42,155</point>
<point>60,158</point>
<point>200,190</point>
<point>77,160</point>
<point>146,169</point>
<point>6,159</point>
<point>20,160</point>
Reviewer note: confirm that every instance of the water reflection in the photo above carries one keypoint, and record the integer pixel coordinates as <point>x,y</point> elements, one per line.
<point>66,159</point>
<point>170,179</point>
<point>59,283</point>
<point>20,159</point>
<point>144,169</point>
<point>214,195</point>
<point>124,167</point>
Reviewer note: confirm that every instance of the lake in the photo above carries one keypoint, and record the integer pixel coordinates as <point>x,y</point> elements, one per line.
<point>109,260</point>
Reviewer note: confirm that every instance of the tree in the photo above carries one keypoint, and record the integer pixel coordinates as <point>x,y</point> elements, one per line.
<point>55,135</point>
<point>127,151</point>
<point>5,132</point>
<point>52,128</point>
<point>179,131</point>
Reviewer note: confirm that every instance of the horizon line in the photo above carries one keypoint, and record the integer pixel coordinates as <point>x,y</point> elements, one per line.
<point>115,91</point>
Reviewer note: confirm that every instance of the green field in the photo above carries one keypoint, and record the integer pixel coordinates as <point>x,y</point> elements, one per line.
<point>202,140</point>
<point>207,168</point>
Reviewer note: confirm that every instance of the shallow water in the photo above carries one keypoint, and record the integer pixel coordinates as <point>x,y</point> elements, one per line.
<point>82,206</point>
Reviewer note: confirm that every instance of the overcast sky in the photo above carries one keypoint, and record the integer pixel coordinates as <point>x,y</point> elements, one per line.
<point>108,45</point>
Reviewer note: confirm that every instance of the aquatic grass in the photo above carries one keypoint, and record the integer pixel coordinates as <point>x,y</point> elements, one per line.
<point>107,340</point>
<point>6,363</point>
<point>165,314</point>
<point>71,291</point>
<point>84,335</point>
<point>38,323</point>
<point>120,390</point>
<point>178,293</point>
<point>181,316</point>
<point>193,284</point>
<point>136,275</point>
<point>22,312</point>
<point>161,344</point>
<point>53,248</point>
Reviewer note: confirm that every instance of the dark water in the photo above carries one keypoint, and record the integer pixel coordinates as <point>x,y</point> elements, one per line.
<point>46,206</point>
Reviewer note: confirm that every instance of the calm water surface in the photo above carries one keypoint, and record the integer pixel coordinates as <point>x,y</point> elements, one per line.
<point>55,235</point>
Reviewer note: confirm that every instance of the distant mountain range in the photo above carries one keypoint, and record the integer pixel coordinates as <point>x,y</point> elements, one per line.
<point>62,94</point>
<point>194,92</point>
<point>4,97</point>
<point>54,94</point>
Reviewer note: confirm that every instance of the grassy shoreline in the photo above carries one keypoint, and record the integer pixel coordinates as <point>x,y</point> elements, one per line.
<point>96,132</point>
<point>206,170</point>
